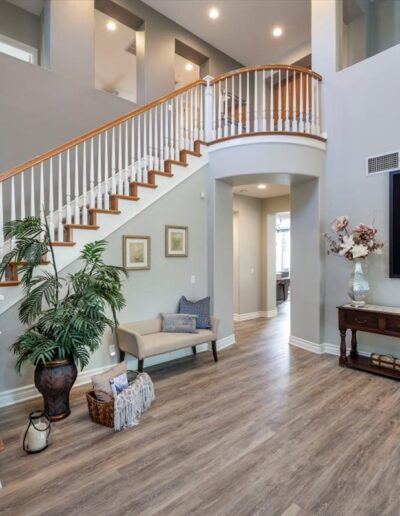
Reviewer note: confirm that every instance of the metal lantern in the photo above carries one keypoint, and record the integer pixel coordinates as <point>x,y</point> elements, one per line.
<point>36,436</point>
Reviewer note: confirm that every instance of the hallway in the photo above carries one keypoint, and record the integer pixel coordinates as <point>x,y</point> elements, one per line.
<point>268,430</point>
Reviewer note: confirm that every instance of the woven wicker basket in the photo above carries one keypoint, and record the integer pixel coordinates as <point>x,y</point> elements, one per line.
<point>102,412</point>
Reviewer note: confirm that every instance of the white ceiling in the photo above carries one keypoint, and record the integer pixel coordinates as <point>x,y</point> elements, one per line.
<point>272,190</point>
<point>32,6</point>
<point>243,29</point>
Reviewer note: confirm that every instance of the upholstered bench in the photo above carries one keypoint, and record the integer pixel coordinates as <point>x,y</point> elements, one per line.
<point>145,339</point>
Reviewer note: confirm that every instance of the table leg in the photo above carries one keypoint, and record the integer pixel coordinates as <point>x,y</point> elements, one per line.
<point>354,352</point>
<point>343,357</point>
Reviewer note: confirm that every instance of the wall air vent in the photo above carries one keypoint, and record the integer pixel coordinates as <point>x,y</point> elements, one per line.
<point>383,163</point>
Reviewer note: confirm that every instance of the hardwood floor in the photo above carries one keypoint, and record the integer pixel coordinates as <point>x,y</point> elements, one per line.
<point>268,430</point>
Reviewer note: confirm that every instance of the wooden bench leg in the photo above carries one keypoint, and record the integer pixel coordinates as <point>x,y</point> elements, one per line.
<point>214,350</point>
<point>140,365</point>
<point>194,350</point>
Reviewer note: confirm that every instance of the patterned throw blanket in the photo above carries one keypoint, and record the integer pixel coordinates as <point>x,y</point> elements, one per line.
<point>130,404</point>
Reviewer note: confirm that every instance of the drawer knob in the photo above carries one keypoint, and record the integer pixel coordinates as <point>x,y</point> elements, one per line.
<point>361,321</point>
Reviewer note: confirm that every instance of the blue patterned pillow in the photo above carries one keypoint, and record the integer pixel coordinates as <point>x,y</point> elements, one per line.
<point>200,308</point>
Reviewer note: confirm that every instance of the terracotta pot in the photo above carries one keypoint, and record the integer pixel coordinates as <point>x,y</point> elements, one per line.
<point>54,381</point>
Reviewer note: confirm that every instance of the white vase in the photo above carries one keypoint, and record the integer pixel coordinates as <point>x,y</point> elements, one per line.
<point>358,286</point>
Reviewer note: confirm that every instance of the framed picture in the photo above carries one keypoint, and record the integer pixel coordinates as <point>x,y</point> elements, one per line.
<point>176,241</point>
<point>394,224</point>
<point>136,251</point>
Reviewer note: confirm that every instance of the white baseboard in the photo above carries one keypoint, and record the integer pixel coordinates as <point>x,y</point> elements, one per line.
<point>255,315</point>
<point>29,392</point>
<point>306,344</point>
<point>319,349</point>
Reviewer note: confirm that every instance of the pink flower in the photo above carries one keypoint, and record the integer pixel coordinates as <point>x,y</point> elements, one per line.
<point>340,224</point>
<point>370,231</point>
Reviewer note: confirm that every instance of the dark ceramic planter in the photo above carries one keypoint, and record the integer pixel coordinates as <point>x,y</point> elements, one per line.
<point>54,381</point>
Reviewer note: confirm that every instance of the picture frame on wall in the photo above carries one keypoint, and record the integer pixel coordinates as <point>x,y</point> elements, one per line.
<point>136,253</point>
<point>176,241</point>
<point>394,224</point>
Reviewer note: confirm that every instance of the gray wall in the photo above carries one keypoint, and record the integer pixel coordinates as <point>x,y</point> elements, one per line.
<point>20,25</point>
<point>147,292</point>
<point>41,108</point>
<point>360,115</point>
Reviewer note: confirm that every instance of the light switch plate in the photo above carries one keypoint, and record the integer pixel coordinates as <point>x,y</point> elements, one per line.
<point>112,350</point>
<point>192,279</point>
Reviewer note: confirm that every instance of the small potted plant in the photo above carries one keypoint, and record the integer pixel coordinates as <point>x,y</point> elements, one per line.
<point>66,316</point>
<point>355,245</point>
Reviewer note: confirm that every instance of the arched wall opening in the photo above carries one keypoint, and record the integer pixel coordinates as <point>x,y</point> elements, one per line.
<point>298,162</point>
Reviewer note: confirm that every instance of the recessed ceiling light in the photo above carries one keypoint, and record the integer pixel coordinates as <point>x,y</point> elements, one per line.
<point>189,67</point>
<point>261,186</point>
<point>277,32</point>
<point>111,25</point>
<point>213,13</point>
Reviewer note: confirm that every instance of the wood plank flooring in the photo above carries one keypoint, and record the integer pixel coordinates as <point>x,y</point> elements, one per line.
<point>268,430</point>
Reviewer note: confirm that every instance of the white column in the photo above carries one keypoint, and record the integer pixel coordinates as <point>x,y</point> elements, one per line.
<point>208,107</point>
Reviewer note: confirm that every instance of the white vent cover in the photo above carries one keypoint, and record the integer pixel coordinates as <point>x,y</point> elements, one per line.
<point>383,163</point>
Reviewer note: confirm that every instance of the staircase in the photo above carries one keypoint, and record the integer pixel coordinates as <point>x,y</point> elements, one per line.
<point>95,183</point>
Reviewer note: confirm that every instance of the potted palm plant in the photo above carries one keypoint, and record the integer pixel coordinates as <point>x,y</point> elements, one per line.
<point>65,316</point>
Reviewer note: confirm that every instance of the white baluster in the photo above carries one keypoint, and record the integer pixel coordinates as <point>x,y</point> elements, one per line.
<point>166,143</point>
<point>287,120</point>
<point>151,151</point>
<point>126,165</point>
<point>139,146</point>
<point>41,198</point>
<point>240,125</point>
<point>201,133</point>
<point>294,115</point>
<point>248,103</point>
<point>145,151</point>
<point>181,123</point>
<point>308,125</point>
<point>120,171</point>
<point>156,158</point>
<point>60,232</point>
<point>255,127</point>
<point>32,192</point>
<point>219,128</point>
<point>13,217</point>
<point>133,149</point>
<point>106,190</point>
<point>22,197</point>
<point>51,201</point>
<point>191,121</point>
<point>196,127</point>
<point>233,106</point>
<point>162,157</point>
<point>1,222</point>
<point>317,109</point>
<point>91,176</point>
<point>301,112</point>
<point>76,188</point>
<point>264,108</point>
<point>313,130</point>
<point>187,142</point>
<point>271,104</point>
<point>226,129</point>
<point>213,115</point>
<point>279,101</point>
<point>113,163</point>
<point>176,129</point>
<point>171,129</point>
<point>68,212</point>
<point>99,189</point>
<point>84,186</point>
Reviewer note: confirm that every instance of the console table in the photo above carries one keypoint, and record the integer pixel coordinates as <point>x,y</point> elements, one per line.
<point>383,320</point>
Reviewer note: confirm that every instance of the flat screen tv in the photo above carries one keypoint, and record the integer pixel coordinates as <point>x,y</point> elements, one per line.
<point>394,224</point>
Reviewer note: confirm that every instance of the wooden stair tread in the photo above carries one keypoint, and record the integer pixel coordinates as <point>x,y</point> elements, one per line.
<point>146,185</point>
<point>192,153</point>
<point>102,210</point>
<point>159,173</point>
<point>176,162</point>
<point>125,197</point>
<point>80,226</point>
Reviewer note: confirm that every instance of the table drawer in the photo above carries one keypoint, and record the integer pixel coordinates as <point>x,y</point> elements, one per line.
<point>392,324</point>
<point>362,319</point>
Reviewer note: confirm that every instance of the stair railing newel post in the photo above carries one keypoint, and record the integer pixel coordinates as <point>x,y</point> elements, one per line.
<point>208,109</point>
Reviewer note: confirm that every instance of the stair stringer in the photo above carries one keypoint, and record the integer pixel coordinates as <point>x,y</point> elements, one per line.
<point>108,223</point>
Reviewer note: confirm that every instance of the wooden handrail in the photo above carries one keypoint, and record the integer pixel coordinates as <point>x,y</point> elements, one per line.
<point>94,132</point>
<point>267,67</point>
